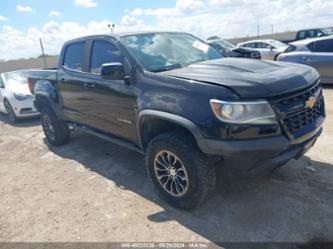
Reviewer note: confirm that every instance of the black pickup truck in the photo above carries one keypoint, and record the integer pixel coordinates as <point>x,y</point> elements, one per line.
<point>176,99</point>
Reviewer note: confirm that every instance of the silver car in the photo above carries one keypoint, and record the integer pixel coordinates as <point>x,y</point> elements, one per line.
<point>268,48</point>
<point>317,52</point>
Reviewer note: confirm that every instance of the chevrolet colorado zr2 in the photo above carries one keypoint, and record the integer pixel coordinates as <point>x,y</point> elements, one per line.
<point>174,98</point>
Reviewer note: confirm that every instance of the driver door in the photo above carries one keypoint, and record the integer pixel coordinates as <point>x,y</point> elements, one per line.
<point>113,102</point>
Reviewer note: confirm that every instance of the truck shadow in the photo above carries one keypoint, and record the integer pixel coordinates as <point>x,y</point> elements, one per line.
<point>22,123</point>
<point>292,204</point>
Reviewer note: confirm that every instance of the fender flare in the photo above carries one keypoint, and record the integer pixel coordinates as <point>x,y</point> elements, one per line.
<point>46,92</point>
<point>173,118</point>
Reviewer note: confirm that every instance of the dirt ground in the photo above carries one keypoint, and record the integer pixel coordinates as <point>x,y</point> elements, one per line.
<point>92,190</point>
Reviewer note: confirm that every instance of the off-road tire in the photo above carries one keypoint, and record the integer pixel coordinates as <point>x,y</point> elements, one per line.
<point>61,132</point>
<point>200,170</point>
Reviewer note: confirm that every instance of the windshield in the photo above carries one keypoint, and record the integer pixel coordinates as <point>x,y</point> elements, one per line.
<point>327,31</point>
<point>165,51</point>
<point>277,44</point>
<point>222,45</point>
<point>15,78</point>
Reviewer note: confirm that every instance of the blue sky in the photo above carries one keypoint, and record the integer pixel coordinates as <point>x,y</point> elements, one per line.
<point>105,9</point>
<point>22,22</point>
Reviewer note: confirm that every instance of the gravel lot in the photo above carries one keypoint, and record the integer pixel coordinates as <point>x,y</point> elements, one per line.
<point>92,190</point>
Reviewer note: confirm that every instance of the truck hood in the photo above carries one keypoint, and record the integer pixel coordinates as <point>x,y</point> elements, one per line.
<point>249,78</point>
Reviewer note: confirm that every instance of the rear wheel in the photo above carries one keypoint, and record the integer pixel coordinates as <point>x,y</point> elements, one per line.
<point>56,131</point>
<point>180,171</point>
<point>10,112</point>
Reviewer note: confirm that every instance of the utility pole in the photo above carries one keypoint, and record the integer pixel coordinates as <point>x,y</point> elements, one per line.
<point>258,31</point>
<point>43,54</point>
<point>272,28</point>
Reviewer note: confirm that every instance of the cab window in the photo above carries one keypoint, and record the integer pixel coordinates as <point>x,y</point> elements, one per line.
<point>74,56</point>
<point>103,52</point>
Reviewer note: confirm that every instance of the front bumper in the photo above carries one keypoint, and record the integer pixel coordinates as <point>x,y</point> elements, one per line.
<point>258,156</point>
<point>24,109</point>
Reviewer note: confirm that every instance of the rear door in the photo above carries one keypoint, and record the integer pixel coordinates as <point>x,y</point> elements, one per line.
<point>112,102</point>
<point>321,59</point>
<point>70,76</point>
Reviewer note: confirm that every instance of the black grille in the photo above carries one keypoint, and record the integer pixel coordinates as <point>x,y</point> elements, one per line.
<point>293,113</point>
<point>286,103</point>
<point>303,119</point>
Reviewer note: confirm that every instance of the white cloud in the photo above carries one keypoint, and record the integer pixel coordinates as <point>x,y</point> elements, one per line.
<point>226,3</point>
<point>86,3</point>
<point>214,17</point>
<point>234,18</point>
<point>21,8</point>
<point>3,18</point>
<point>129,21</point>
<point>137,12</point>
<point>54,13</point>
<point>190,6</point>
<point>53,34</point>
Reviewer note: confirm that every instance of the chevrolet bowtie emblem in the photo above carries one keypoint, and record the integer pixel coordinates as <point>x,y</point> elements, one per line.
<point>310,103</point>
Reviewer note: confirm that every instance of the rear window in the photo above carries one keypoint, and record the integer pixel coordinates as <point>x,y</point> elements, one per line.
<point>324,46</point>
<point>74,56</point>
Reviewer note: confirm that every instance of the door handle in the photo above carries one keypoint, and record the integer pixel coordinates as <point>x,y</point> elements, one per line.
<point>89,85</point>
<point>306,59</point>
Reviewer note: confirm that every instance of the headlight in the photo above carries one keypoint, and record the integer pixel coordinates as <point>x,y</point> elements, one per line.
<point>256,112</point>
<point>21,97</point>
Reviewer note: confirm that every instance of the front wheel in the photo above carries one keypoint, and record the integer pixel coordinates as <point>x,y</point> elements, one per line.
<point>180,171</point>
<point>10,112</point>
<point>56,130</point>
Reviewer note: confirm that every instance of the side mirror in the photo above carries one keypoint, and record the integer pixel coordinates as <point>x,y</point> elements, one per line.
<point>113,71</point>
<point>2,86</point>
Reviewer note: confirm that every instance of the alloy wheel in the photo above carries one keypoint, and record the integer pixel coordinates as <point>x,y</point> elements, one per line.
<point>171,173</point>
<point>48,127</point>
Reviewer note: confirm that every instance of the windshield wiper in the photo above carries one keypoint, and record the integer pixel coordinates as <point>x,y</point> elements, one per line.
<point>166,68</point>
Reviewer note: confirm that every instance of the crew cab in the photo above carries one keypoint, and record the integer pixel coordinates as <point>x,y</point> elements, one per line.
<point>177,100</point>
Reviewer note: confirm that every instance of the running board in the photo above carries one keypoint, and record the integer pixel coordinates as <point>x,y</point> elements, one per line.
<point>109,138</point>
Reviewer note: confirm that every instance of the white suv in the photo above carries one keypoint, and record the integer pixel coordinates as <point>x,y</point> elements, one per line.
<point>15,97</point>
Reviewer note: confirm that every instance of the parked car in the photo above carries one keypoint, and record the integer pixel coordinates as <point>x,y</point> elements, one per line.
<point>15,97</point>
<point>311,33</point>
<point>268,49</point>
<point>317,53</point>
<point>229,50</point>
<point>181,103</point>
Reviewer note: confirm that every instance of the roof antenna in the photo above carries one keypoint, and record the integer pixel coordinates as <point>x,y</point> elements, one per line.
<point>111,27</point>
